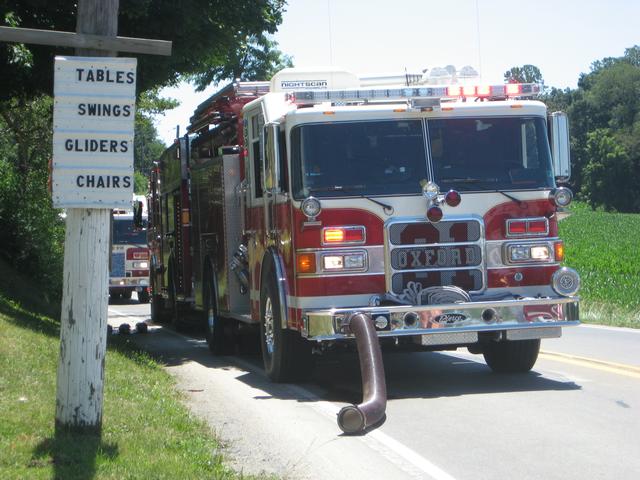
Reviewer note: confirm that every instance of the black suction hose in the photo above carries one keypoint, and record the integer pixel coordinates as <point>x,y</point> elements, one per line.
<point>356,418</point>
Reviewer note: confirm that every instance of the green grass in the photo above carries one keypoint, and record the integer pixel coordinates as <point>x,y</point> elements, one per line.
<point>147,433</point>
<point>605,249</point>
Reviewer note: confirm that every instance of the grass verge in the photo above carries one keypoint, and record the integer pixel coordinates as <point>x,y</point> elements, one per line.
<point>605,249</point>
<point>147,433</point>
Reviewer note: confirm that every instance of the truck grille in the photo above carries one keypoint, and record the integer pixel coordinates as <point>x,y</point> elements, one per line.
<point>445,253</point>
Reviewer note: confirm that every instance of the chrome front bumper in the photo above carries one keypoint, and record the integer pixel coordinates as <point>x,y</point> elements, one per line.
<point>457,323</point>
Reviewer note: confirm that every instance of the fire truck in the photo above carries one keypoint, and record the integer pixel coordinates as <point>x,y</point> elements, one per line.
<point>326,213</point>
<point>129,265</point>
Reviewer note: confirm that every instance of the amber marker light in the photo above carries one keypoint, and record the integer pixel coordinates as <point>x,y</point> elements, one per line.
<point>185,216</point>
<point>558,250</point>
<point>306,262</point>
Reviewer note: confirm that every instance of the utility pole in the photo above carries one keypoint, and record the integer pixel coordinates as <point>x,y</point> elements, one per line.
<point>85,297</point>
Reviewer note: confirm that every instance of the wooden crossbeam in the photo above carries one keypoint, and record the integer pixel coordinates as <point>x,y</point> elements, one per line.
<point>83,40</point>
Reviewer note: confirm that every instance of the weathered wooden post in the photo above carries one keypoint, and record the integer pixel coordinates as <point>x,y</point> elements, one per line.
<point>85,302</point>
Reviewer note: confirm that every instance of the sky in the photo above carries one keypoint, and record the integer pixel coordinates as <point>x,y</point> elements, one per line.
<point>562,38</point>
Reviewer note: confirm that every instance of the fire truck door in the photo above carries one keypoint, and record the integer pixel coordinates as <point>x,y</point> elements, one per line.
<point>271,180</point>
<point>168,240</point>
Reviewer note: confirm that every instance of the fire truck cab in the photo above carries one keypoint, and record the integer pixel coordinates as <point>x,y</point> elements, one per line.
<point>429,211</point>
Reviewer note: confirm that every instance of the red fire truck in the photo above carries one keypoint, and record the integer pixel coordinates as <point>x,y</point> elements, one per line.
<point>129,265</point>
<point>325,213</point>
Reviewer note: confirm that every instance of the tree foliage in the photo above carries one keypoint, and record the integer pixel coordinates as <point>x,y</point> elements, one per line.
<point>31,230</point>
<point>604,113</point>
<point>204,33</point>
<point>524,74</point>
<point>605,122</point>
<point>258,58</point>
<point>212,40</point>
<point>606,175</point>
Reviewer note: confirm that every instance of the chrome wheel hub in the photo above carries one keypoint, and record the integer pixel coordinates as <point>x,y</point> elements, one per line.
<point>268,326</point>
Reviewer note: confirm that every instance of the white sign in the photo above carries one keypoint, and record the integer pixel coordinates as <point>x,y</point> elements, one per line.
<point>93,121</point>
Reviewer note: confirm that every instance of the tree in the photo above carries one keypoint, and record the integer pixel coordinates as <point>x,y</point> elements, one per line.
<point>525,74</point>
<point>203,33</point>
<point>258,58</point>
<point>32,231</point>
<point>605,122</point>
<point>27,129</point>
<point>147,146</point>
<point>608,176</point>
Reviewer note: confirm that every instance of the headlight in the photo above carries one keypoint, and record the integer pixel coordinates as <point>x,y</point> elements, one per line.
<point>310,207</point>
<point>540,253</point>
<point>561,197</point>
<point>342,262</point>
<point>527,253</point>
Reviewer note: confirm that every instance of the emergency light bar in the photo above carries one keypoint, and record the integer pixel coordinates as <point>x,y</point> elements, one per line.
<point>509,90</point>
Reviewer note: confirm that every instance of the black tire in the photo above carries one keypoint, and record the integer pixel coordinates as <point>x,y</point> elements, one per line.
<point>143,296</point>
<point>217,329</point>
<point>158,315</point>
<point>516,356</point>
<point>285,354</point>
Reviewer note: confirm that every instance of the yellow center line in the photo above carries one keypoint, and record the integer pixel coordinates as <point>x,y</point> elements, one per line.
<point>610,367</point>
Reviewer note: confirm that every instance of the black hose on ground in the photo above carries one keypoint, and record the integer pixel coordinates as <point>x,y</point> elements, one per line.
<point>356,418</point>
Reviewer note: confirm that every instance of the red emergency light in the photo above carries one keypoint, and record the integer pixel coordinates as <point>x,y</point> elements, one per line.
<point>343,235</point>
<point>520,227</point>
<point>137,254</point>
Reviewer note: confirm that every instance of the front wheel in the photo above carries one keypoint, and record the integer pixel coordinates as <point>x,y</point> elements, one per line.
<point>516,356</point>
<point>285,354</point>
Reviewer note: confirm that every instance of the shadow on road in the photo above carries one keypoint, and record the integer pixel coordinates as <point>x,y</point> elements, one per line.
<point>337,375</point>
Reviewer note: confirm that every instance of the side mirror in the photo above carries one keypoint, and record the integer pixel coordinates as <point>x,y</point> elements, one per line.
<point>559,139</point>
<point>137,214</point>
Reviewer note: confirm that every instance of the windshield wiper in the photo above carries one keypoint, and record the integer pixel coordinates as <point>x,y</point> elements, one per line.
<point>388,209</point>
<point>484,181</point>
<point>518,201</point>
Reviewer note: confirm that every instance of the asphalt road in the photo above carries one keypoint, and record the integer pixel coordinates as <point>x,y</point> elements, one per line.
<point>575,416</point>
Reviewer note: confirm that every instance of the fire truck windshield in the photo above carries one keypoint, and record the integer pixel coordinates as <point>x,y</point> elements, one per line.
<point>124,233</point>
<point>390,158</point>
<point>358,158</point>
<point>476,154</point>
